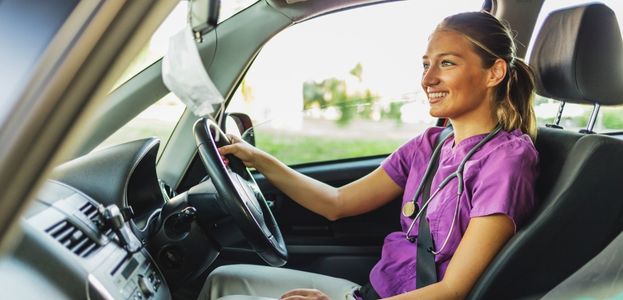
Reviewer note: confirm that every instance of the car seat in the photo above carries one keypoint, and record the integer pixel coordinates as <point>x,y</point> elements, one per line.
<point>577,58</point>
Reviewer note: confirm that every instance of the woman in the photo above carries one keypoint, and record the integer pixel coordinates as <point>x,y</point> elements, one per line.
<point>471,77</point>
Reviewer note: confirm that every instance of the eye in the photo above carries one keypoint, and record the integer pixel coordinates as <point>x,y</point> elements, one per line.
<point>447,63</point>
<point>425,66</point>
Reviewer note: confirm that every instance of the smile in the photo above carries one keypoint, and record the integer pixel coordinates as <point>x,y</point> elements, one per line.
<point>437,95</point>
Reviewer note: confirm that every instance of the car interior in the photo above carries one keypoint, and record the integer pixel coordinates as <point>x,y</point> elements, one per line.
<point>151,218</point>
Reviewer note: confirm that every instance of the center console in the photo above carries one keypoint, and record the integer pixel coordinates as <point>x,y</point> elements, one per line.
<point>115,262</point>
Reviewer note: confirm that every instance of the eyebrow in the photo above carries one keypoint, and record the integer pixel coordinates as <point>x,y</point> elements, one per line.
<point>445,54</point>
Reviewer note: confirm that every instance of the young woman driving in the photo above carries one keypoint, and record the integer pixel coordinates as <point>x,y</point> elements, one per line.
<point>473,78</point>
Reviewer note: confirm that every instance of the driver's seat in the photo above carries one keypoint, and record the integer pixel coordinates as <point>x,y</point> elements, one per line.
<point>577,58</point>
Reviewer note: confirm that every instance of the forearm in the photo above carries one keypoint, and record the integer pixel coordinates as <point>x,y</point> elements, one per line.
<point>312,194</point>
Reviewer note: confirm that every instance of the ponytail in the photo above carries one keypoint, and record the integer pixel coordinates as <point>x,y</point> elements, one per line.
<point>514,99</point>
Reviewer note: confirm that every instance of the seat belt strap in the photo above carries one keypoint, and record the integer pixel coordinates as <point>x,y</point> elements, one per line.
<point>426,269</point>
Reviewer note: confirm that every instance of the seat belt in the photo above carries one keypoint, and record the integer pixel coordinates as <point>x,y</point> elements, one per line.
<point>425,264</point>
<point>426,269</point>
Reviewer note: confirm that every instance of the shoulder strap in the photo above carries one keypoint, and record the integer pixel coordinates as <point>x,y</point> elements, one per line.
<point>426,270</point>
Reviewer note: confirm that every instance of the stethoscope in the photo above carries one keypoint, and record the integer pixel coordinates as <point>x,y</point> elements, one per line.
<point>409,207</point>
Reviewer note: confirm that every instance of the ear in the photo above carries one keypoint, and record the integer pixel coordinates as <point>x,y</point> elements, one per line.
<point>497,72</point>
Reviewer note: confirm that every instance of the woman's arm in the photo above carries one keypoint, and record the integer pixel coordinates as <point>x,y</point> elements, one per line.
<point>483,239</point>
<point>360,196</point>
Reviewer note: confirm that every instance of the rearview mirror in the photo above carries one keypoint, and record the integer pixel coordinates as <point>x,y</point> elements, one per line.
<point>203,15</point>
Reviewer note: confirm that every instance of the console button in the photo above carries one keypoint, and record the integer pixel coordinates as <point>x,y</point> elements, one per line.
<point>146,287</point>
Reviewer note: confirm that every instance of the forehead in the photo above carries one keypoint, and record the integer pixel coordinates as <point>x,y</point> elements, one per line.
<point>443,42</point>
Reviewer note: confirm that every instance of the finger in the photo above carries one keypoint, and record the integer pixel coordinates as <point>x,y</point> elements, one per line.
<point>229,149</point>
<point>233,138</point>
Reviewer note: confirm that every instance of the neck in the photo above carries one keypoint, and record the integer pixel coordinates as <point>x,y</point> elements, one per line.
<point>463,130</point>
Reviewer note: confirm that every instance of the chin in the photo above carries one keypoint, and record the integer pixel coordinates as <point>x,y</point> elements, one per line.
<point>436,113</point>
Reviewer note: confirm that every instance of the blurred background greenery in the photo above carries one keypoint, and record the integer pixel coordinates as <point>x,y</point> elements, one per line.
<point>294,149</point>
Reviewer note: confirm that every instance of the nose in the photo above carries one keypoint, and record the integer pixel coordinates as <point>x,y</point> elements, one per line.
<point>429,77</point>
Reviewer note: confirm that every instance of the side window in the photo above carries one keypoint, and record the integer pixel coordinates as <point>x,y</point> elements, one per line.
<point>576,116</point>
<point>344,85</point>
<point>158,120</point>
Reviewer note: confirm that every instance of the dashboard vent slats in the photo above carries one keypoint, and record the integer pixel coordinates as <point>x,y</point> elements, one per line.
<point>90,211</point>
<point>72,238</point>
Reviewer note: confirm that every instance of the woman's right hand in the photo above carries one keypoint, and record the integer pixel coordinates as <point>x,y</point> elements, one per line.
<point>242,150</point>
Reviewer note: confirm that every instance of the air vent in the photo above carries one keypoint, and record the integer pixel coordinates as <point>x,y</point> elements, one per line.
<point>73,238</point>
<point>90,211</point>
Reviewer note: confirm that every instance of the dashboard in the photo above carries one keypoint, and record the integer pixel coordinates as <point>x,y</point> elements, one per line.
<point>103,228</point>
<point>85,252</point>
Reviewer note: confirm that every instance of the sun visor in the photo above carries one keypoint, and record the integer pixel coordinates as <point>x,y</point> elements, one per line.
<point>183,74</point>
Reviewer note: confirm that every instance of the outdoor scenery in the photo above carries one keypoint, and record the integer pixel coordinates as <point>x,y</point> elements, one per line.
<point>338,86</point>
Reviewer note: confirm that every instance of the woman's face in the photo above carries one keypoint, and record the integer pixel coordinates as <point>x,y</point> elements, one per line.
<point>454,79</point>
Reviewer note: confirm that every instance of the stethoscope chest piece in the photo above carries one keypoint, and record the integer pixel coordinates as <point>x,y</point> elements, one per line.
<point>410,209</point>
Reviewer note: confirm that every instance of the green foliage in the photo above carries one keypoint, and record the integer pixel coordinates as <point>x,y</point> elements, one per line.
<point>293,149</point>
<point>357,71</point>
<point>612,120</point>
<point>582,120</point>
<point>394,112</point>
<point>333,92</point>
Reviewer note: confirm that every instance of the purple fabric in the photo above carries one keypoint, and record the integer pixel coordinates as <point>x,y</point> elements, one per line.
<point>499,179</point>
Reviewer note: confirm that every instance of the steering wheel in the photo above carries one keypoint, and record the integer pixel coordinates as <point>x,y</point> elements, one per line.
<point>240,195</point>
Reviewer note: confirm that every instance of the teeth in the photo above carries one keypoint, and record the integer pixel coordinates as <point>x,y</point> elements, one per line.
<point>437,95</point>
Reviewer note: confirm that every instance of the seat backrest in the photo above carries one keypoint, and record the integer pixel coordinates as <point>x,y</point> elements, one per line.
<point>581,178</point>
<point>554,146</point>
<point>580,213</point>
<point>600,278</point>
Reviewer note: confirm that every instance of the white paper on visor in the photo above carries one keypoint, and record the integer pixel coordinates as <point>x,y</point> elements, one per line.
<point>184,75</point>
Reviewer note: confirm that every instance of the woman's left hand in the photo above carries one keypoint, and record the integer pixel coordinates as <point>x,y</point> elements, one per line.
<point>311,294</point>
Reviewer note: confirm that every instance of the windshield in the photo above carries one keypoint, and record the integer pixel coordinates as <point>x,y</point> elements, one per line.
<point>159,42</point>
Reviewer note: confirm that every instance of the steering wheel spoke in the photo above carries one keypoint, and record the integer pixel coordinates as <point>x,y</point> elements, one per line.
<point>240,195</point>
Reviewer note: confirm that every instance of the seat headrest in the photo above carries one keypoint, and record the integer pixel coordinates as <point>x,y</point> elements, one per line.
<point>578,56</point>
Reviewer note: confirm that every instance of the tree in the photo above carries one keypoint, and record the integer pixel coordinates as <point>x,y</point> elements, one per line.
<point>333,92</point>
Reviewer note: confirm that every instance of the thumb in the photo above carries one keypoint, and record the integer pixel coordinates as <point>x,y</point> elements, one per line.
<point>229,149</point>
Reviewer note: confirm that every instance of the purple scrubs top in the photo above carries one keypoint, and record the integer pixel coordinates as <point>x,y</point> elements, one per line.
<point>499,179</point>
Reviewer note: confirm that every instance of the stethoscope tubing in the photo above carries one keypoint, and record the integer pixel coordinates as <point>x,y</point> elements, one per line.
<point>458,173</point>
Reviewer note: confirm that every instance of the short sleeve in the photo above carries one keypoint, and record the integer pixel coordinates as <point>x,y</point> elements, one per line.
<point>397,164</point>
<point>505,182</point>
<point>400,163</point>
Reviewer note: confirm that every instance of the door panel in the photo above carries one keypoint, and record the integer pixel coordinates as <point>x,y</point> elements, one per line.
<point>346,248</point>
